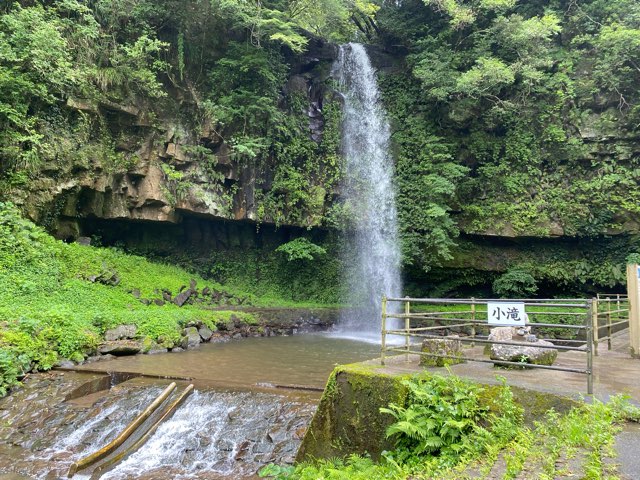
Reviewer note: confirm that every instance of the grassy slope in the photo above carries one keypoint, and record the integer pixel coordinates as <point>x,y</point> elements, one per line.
<point>48,308</point>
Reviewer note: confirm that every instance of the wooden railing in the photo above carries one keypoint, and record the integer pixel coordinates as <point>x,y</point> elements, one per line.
<point>610,314</point>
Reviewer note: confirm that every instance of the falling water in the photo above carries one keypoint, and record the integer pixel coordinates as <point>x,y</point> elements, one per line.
<point>373,256</point>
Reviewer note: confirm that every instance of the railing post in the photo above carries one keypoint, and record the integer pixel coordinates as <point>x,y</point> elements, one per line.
<point>384,329</point>
<point>609,324</point>
<point>473,319</point>
<point>618,306</point>
<point>589,326</point>
<point>407,326</point>
<point>594,323</point>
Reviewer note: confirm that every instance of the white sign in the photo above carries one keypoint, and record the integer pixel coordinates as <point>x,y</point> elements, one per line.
<point>506,314</point>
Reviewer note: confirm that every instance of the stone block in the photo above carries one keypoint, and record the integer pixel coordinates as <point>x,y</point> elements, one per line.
<point>120,332</point>
<point>191,338</point>
<point>525,354</point>
<point>451,347</point>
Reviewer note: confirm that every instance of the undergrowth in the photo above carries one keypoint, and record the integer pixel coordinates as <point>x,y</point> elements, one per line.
<point>52,307</point>
<point>449,427</point>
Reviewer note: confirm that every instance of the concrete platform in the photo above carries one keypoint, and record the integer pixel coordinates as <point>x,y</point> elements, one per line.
<point>614,371</point>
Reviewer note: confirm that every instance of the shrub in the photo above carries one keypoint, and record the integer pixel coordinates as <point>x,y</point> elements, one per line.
<point>515,284</point>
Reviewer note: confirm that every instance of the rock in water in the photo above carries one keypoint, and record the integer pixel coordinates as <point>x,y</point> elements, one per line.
<point>451,347</point>
<point>525,354</point>
<point>191,338</point>
<point>205,333</point>
<point>120,347</point>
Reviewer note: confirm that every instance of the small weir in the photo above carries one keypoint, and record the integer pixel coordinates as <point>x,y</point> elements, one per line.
<point>253,401</point>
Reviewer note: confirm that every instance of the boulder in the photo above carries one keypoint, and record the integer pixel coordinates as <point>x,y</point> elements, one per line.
<point>525,354</point>
<point>502,334</point>
<point>120,332</point>
<point>182,297</point>
<point>86,241</point>
<point>65,363</point>
<point>120,348</point>
<point>499,334</point>
<point>191,338</point>
<point>106,277</point>
<point>99,358</point>
<point>219,338</point>
<point>205,333</point>
<point>155,351</point>
<point>451,347</point>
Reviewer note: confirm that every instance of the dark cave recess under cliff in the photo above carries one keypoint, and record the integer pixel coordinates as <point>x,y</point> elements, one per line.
<point>192,234</point>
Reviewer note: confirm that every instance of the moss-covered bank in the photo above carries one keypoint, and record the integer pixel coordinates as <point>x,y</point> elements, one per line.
<point>348,419</point>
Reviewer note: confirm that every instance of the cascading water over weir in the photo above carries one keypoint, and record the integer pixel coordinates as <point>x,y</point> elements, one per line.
<point>373,249</point>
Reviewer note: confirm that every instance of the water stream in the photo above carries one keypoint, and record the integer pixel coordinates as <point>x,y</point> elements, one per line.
<point>239,419</point>
<point>374,253</point>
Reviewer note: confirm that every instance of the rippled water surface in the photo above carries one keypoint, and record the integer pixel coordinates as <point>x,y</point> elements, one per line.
<point>301,360</point>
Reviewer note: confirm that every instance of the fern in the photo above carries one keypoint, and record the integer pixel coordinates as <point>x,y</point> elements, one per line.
<point>440,413</point>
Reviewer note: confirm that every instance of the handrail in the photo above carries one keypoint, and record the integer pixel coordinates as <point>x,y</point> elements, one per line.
<point>120,439</point>
<point>604,316</point>
<point>586,309</point>
<point>584,302</point>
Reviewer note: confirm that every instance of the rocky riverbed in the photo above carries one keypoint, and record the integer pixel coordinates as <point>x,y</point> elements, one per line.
<point>214,434</point>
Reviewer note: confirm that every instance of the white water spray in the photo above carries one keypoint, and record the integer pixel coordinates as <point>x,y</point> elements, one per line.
<point>374,257</point>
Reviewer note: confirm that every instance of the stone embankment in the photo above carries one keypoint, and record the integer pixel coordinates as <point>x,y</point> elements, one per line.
<point>245,322</point>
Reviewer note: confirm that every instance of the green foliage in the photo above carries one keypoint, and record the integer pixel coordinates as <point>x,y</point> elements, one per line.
<point>52,53</point>
<point>50,310</point>
<point>426,177</point>
<point>515,284</point>
<point>519,91</point>
<point>440,413</point>
<point>9,370</point>
<point>244,98</point>
<point>463,436</point>
<point>633,258</point>
<point>301,249</point>
<point>275,280</point>
<point>500,432</point>
<point>306,171</point>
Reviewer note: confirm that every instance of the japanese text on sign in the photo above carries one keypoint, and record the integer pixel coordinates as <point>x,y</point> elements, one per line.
<point>506,313</point>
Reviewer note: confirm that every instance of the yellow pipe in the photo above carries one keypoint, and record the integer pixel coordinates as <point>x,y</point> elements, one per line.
<point>98,472</point>
<point>120,439</point>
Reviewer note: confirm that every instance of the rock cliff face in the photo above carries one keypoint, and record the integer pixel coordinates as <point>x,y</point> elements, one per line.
<point>175,181</point>
<point>178,165</point>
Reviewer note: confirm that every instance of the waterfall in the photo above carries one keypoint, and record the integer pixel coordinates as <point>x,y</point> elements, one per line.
<point>373,254</point>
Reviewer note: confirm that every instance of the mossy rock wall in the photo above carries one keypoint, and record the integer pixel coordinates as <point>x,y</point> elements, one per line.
<point>348,419</point>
